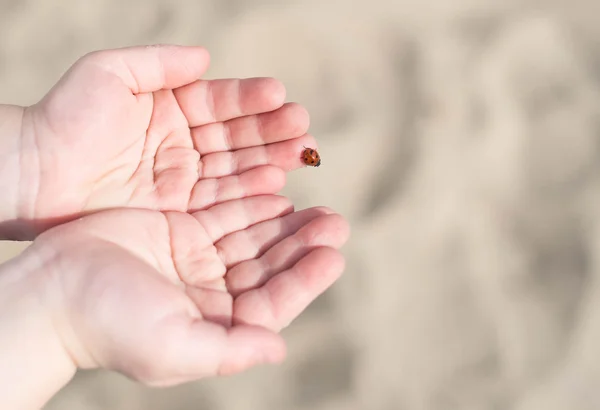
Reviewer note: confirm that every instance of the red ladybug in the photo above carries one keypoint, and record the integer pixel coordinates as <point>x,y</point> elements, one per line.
<point>311,157</point>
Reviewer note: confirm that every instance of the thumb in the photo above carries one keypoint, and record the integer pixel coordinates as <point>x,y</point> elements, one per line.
<point>147,69</point>
<point>233,350</point>
<point>189,349</point>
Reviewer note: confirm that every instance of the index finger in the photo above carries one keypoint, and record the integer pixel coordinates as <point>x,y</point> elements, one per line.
<point>209,101</point>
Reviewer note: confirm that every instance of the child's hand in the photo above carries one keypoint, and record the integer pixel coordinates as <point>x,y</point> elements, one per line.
<point>135,127</point>
<point>170,297</point>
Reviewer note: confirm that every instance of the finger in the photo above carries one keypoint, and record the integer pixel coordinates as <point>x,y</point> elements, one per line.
<point>257,181</point>
<point>286,155</point>
<point>191,349</point>
<point>193,255</point>
<point>147,69</point>
<point>328,230</point>
<point>231,216</point>
<point>253,242</point>
<point>207,101</point>
<point>286,295</point>
<point>289,121</point>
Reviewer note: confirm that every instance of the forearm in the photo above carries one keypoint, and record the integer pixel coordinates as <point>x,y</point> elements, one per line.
<point>10,131</point>
<point>33,362</point>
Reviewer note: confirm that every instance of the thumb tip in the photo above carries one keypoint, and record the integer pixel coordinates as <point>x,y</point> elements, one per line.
<point>252,346</point>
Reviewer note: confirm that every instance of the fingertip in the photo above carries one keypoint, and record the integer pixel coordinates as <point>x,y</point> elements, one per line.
<point>329,229</point>
<point>299,118</point>
<point>201,55</point>
<point>251,346</point>
<point>274,91</point>
<point>203,51</point>
<point>283,203</point>
<point>342,227</point>
<point>276,177</point>
<point>193,59</point>
<point>275,351</point>
<point>268,179</point>
<point>263,180</point>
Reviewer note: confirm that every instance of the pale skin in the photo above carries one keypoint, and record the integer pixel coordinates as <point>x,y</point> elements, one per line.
<point>136,128</point>
<point>160,249</point>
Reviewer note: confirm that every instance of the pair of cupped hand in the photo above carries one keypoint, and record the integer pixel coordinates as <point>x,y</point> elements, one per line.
<point>161,249</point>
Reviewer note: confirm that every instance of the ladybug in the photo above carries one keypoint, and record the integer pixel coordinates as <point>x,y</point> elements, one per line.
<point>311,157</point>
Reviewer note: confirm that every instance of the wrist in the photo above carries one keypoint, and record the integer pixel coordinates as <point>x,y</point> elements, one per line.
<point>34,365</point>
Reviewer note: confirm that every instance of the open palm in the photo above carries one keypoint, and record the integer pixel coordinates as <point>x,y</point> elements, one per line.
<point>135,127</point>
<point>170,297</point>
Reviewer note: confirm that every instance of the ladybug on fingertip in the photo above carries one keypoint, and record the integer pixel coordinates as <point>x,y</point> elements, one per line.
<point>311,157</point>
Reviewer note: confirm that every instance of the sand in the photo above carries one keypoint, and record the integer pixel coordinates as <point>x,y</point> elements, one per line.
<point>459,138</point>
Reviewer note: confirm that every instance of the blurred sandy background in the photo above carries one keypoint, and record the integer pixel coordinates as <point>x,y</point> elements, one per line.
<point>460,138</point>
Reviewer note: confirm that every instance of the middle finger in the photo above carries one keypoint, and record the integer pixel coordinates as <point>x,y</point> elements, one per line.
<point>285,155</point>
<point>289,121</point>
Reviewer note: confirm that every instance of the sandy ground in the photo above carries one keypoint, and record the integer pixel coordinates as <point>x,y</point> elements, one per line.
<point>460,138</point>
